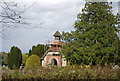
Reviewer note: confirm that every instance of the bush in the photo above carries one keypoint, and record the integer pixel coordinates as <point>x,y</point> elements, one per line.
<point>33,62</point>
<point>74,72</point>
<point>25,57</point>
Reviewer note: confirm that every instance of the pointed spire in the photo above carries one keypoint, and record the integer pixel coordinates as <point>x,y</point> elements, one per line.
<point>57,33</point>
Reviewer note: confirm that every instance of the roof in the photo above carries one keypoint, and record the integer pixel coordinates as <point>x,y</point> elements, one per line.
<point>50,50</point>
<point>57,33</point>
<point>55,43</point>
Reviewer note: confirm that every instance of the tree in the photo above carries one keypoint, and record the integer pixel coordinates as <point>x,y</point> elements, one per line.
<point>30,52</point>
<point>3,58</point>
<point>118,58</point>
<point>33,62</point>
<point>38,50</point>
<point>11,16</point>
<point>95,39</point>
<point>14,58</point>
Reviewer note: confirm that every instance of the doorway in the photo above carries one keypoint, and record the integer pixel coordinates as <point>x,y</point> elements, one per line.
<point>54,62</point>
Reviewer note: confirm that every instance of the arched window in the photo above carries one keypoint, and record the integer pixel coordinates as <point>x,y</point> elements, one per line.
<point>54,62</point>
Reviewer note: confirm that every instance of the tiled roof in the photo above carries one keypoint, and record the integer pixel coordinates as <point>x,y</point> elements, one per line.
<point>52,49</point>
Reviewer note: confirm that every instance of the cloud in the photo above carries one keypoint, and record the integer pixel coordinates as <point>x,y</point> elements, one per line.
<point>57,15</point>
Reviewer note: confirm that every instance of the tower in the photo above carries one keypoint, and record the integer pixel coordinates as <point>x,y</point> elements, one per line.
<point>57,36</point>
<point>53,55</point>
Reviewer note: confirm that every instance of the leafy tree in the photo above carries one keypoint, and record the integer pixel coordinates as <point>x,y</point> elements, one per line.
<point>33,62</point>
<point>38,50</point>
<point>14,58</point>
<point>95,37</point>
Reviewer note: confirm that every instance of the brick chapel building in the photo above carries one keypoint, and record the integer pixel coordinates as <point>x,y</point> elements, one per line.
<point>53,55</point>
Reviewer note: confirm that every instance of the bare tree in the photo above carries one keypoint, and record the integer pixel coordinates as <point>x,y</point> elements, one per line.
<point>11,15</point>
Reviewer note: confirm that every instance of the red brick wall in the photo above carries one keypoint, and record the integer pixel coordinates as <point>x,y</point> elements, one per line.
<point>49,59</point>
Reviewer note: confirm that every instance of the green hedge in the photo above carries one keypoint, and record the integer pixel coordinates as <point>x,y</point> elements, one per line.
<point>33,62</point>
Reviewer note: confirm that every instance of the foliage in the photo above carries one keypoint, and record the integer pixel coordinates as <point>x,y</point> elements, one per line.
<point>73,72</point>
<point>38,50</point>
<point>4,58</point>
<point>33,62</point>
<point>0,58</point>
<point>118,52</point>
<point>24,58</point>
<point>14,58</point>
<point>94,40</point>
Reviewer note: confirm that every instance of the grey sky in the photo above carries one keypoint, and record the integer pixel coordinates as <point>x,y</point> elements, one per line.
<point>57,16</point>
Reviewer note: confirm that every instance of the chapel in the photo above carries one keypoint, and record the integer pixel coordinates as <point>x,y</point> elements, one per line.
<point>53,55</point>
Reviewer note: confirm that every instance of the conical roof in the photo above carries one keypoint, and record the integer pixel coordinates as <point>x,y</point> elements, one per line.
<point>57,33</point>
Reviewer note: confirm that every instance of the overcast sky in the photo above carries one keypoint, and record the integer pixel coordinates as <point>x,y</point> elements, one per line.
<point>56,15</point>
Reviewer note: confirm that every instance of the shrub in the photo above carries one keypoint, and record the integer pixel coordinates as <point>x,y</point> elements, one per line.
<point>33,62</point>
<point>24,58</point>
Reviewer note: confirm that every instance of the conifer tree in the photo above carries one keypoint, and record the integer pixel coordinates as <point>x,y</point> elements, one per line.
<point>95,39</point>
<point>14,58</point>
